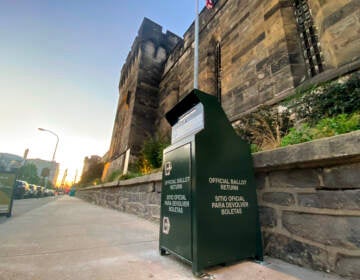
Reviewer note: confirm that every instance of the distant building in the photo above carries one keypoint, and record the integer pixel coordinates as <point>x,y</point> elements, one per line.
<point>51,165</point>
<point>90,161</point>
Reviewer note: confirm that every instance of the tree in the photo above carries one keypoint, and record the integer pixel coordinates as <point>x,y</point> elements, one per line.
<point>151,153</point>
<point>28,173</point>
<point>45,172</point>
<point>49,184</point>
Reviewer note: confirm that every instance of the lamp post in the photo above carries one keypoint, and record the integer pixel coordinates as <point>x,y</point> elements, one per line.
<point>57,142</point>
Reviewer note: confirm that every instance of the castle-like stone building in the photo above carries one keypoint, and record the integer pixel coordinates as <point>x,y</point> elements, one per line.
<point>252,52</point>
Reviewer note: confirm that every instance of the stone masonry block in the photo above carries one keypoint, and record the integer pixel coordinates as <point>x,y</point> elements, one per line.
<point>101,195</point>
<point>154,211</point>
<point>154,198</point>
<point>348,266</point>
<point>121,205</point>
<point>148,187</point>
<point>111,201</point>
<point>293,251</point>
<point>158,186</point>
<point>135,208</point>
<point>126,194</point>
<point>110,198</point>
<point>280,198</point>
<point>267,216</point>
<point>260,180</point>
<point>301,178</point>
<point>143,197</point>
<point>135,197</point>
<point>342,177</point>
<point>348,199</point>
<point>336,231</point>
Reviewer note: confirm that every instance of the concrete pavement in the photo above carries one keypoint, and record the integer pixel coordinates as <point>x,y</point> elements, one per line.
<point>22,206</point>
<point>71,239</point>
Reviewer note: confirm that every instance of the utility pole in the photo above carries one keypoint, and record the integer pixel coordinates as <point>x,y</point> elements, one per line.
<point>196,45</point>
<point>76,174</point>
<point>63,178</point>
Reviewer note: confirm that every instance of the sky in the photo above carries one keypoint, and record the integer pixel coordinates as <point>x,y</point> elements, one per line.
<point>60,63</point>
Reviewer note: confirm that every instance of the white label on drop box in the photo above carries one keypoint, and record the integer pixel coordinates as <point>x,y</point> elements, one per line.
<point>188,124</point>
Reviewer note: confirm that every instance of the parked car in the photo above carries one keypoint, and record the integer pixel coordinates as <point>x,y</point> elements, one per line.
<point>32,191</point>
<point>21,188</point>
<point>40,191</point>
<point>50,192</point>
<point>47,192</point>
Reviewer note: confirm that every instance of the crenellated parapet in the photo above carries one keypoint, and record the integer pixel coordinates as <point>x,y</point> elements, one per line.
<point>150,33</point>
<point>129,61</point>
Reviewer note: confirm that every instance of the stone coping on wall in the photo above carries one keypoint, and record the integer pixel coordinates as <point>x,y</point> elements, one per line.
<point>327,151</point>
<point>153,177</point>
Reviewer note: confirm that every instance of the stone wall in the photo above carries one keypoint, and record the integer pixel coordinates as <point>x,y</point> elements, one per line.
<point>309,199</point>
<point>140,196</point>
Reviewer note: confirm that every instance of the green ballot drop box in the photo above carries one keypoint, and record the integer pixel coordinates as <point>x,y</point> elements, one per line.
<point>209,212</point>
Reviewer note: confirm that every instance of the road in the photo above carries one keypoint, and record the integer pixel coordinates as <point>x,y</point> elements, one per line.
<point>65,238</point>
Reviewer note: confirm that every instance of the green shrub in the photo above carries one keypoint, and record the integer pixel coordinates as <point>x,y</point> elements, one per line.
<point>325,110</point>
<point>328,100</point>
<point>28,173</point>
<point>97,181</point>
<point>297,135</point>
<point>151,153</point>
<point>117,175</point>
<point>327,127</point>
<point>130,175</point>
<point>254,148</point>
<point>114,175</point>
<point>340,124</point>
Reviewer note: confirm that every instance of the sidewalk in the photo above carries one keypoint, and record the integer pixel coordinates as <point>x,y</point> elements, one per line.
<point>71,239</point>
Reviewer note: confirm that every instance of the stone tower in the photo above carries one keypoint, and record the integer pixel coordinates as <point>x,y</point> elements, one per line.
<point>139,93</point>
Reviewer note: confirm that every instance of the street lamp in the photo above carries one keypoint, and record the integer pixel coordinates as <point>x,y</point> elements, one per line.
<point>57,142</point>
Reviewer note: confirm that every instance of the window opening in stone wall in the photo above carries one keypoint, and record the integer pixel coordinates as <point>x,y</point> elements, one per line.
<point>218,71</point>
<point>128,97</point>
<point>309,39</point>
